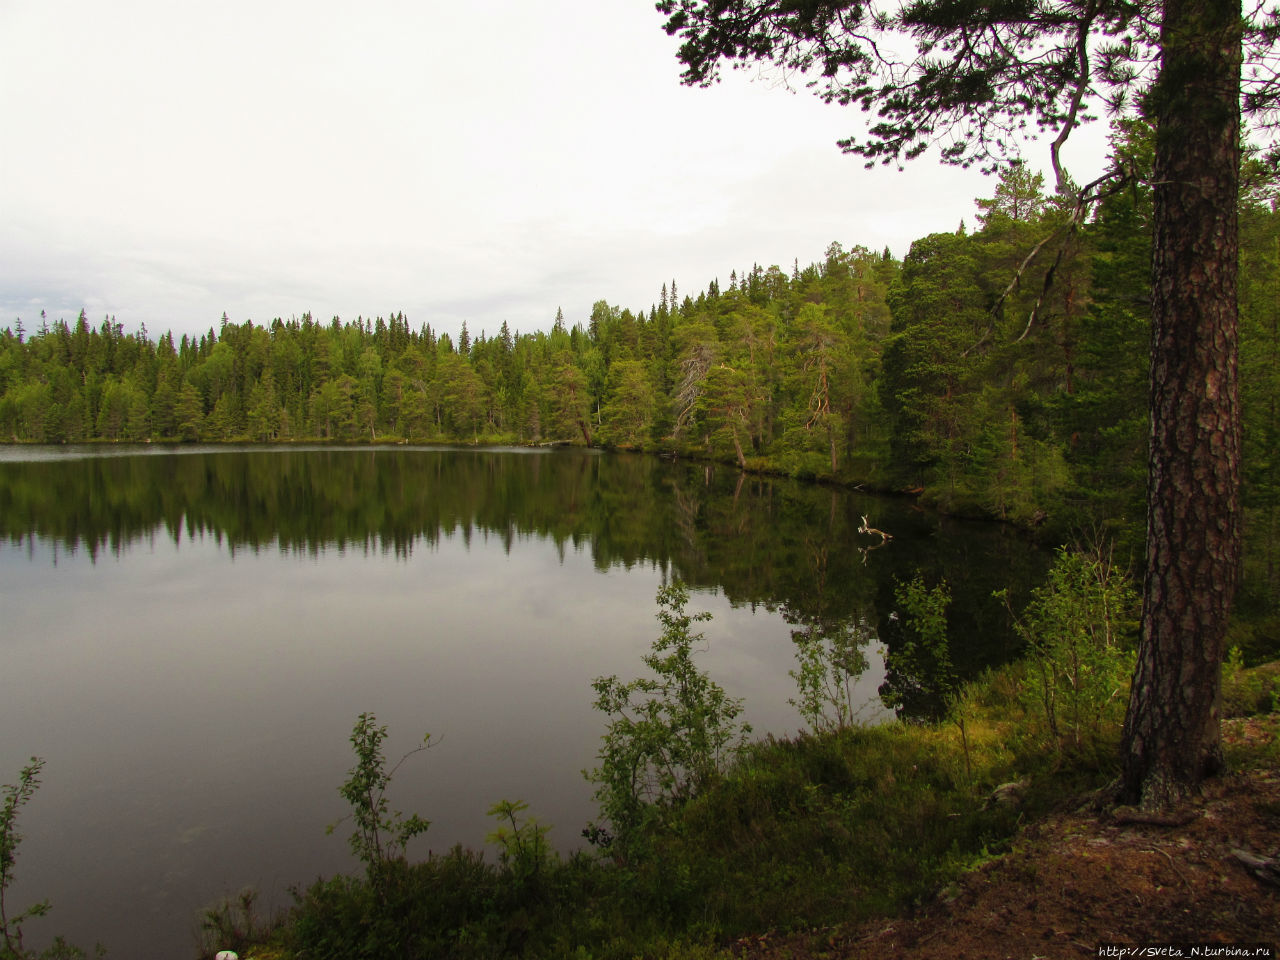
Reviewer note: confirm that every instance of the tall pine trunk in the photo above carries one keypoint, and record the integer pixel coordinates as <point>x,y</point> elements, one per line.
<point>1172,733</point>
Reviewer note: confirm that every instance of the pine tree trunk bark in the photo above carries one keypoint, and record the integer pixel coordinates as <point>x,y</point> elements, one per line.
<point>1172,733</point>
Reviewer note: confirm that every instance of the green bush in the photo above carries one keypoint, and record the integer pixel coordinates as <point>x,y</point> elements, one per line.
<point>16,796</point>
<point>922,664</point>
<point>830,657</point>
<point>447,906</point>
<point>668,734</point>
<point>525,852</point>
<point>381,835</point>
<point>1079,629</point>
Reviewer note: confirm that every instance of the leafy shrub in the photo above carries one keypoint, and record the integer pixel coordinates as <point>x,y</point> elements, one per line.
<point>922,664</point>
<point>667,734</point>
<point>1248,691</point>
<point>443,907</point>
<point>234,923</point>
<point>830,658</point>
<point>16,796</point>
<point>381,834</point>
<point>1078,628</point>
<point>523,841</point>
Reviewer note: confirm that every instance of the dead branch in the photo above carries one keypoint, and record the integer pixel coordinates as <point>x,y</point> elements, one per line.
<point>694,371</point>
<point>872,531</point>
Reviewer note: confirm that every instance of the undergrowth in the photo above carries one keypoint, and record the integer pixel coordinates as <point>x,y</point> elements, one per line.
<point>712,839</point>
<point>815,830</point>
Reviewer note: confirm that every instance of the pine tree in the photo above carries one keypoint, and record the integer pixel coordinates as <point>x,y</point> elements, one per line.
<point>979,75</point>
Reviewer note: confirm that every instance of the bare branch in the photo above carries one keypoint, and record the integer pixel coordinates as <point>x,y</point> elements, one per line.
<point>1082,87</point>
<point>1089,196</point>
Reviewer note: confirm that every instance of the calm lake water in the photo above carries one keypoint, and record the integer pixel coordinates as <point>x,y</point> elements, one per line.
<point>189,634</point>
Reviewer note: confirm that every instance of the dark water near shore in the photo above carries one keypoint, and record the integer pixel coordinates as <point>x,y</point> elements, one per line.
<point>188,635</point>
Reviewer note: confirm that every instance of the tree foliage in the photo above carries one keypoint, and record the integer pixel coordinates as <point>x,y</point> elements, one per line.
<point>992,373</point>
<point>973,79</point>
<point>16,796</point>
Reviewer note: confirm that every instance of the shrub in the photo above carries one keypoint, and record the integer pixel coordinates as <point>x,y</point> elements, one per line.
<point>922,664</point>
<point>1078,628</point>
<point>234,923</point>
<point>16,796</point>
<point>381,834</point>
<point>1248,691</point>
<point>667,734</point>
<point>525,852</point>
<point>830,659</point>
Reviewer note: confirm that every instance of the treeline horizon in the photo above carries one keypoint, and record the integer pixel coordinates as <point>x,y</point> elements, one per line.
<point>983,380</point>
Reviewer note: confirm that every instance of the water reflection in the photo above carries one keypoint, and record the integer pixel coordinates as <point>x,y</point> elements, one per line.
<point>189,636</point>
<point>759,539</point>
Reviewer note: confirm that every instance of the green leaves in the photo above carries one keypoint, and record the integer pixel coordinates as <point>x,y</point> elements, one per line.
<point>668,734</point>
<point>16,796</point>
<point>830,657</point>
<point>921,665</point>
<point>381,834</point>
<point>1079,629</point>
<point>523,840</point>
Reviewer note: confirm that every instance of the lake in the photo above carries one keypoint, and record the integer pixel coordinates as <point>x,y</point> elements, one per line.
<point>190,632</point>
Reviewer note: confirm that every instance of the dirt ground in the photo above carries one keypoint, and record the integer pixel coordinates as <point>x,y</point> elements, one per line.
<point>1084,878</point>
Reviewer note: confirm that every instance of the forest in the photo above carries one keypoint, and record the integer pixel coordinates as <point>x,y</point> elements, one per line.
<point>996,371</point>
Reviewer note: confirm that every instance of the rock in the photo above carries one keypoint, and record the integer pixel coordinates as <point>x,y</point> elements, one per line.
<point>1008,794</point>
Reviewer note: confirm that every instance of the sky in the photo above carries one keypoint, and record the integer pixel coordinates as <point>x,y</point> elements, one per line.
<point>165,163</point>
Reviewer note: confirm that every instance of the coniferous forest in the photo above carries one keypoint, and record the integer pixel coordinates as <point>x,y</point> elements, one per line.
<point>997,371</point>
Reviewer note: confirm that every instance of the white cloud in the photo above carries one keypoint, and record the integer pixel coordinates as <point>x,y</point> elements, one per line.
<point>166,162</point>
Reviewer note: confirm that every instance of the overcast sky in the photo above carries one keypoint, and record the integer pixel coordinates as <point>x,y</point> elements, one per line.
<point>164,162</point>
